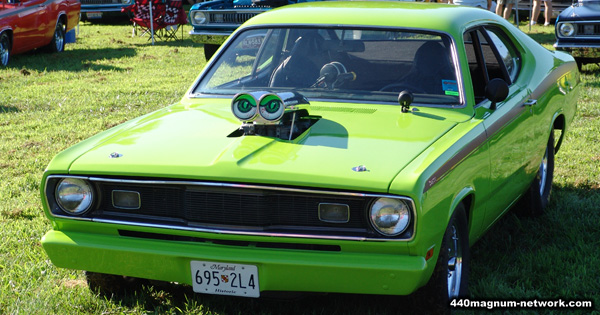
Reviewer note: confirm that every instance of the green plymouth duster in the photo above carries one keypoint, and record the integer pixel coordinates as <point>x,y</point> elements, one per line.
<point>349,147</point>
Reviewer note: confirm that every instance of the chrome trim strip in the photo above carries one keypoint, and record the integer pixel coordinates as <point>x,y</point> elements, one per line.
<point>244,186</point>
<point>233,185</point>
<point>577,45</point>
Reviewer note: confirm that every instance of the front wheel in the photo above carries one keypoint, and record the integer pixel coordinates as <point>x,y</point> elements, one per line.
<point>451,274</point>
<point>4,49</point>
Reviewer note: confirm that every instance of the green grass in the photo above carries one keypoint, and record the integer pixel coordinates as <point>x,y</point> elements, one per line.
<point>50,102</point>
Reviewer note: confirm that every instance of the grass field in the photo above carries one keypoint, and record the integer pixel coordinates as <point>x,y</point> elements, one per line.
<point>50,102</point>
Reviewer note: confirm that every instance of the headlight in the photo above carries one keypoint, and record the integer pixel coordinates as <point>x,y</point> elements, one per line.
<point>126,1</point>
<point>389,216</point>
<point>566,30</point>
<point>74,195</point>
<point>198,17</point>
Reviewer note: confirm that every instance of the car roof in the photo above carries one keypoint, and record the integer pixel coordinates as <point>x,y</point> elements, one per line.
<point>420,15</point>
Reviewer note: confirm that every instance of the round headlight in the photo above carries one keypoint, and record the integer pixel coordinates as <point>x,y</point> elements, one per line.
<point>198,17</point>
<point>389,216</point>
<point>74,195</point>
<point>566,29</point>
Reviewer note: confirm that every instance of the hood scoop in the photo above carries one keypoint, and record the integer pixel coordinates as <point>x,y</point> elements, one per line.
<point>277,115</point>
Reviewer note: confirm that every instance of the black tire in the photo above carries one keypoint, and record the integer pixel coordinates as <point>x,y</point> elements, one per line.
<point>111,285</point>
<point>451,274</point>
<point>210,50</point>
<point>58,39</point>
<point>4,49</point>
<point>537,197</point>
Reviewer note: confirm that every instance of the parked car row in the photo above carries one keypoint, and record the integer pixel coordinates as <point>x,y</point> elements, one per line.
<point>45,23</point>
<point>29,24</point>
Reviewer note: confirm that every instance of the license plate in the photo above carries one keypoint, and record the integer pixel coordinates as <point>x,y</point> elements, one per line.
<point>252,42</point>
<point>94,15</point>
<point>225,279</point>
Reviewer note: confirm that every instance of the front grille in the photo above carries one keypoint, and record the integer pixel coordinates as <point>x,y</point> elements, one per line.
<point>225,206</point>
<point>588,29</point>
<point>230,17</point>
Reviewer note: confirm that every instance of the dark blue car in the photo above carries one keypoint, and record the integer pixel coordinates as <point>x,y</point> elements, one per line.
<point>213,21</point>
<point>578,31</point>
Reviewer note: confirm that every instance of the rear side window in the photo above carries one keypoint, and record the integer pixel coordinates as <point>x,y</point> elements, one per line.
<point>491,55</point>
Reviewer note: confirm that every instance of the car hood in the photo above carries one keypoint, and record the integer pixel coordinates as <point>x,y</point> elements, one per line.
<point>193,142</point>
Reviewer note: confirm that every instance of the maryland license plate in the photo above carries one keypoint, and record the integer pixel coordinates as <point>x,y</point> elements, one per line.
<point>225,279</point>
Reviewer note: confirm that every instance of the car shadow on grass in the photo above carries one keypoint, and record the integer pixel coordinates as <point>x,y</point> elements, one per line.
<point>72,60</point>
<point>165,297</point>
<point>546,257</point>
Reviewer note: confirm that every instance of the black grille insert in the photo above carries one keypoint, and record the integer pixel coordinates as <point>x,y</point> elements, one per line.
<point>230,208</point>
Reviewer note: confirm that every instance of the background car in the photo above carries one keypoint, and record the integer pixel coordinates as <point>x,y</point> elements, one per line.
<point>577,31</point>
<point>327,147</point>
<point>30,24</point>
<point>98,9</point>
<point>213,21</point>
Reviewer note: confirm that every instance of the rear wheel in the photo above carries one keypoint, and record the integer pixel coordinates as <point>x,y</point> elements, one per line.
<point>537,197</point>
<point>4,49</point>
<point>58,39</point>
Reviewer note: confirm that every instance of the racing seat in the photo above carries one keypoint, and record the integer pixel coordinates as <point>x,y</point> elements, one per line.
<point>431,65</point>
<point>298,69</point>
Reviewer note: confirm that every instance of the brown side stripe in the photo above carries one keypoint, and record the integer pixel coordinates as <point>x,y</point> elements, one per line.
<point>496,127</point>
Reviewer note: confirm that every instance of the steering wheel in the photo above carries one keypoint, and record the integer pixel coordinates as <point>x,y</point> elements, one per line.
<point>401,86</point>
<point>333,75</point>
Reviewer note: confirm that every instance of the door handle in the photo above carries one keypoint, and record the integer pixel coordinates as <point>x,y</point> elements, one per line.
<point>530,102</point>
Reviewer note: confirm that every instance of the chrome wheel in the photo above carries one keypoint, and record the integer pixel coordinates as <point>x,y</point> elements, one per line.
<point>59,37</point>
<point>4,49</point>
<point>455,262</point>
<point>543,172</point>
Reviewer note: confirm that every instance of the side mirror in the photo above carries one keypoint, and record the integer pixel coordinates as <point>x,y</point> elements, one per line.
<point>405,98</point>
<point>496,91</point>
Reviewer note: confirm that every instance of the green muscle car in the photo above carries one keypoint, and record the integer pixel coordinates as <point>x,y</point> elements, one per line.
<point>350,147</point>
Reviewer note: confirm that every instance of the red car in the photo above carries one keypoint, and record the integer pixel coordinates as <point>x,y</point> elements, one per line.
<point>30,24</point>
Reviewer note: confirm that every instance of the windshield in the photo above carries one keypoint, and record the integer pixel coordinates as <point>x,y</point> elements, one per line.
<point>342,64</point>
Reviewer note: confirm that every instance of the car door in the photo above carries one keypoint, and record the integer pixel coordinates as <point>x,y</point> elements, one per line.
<point>30,26</point>
<point>509,124</point>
